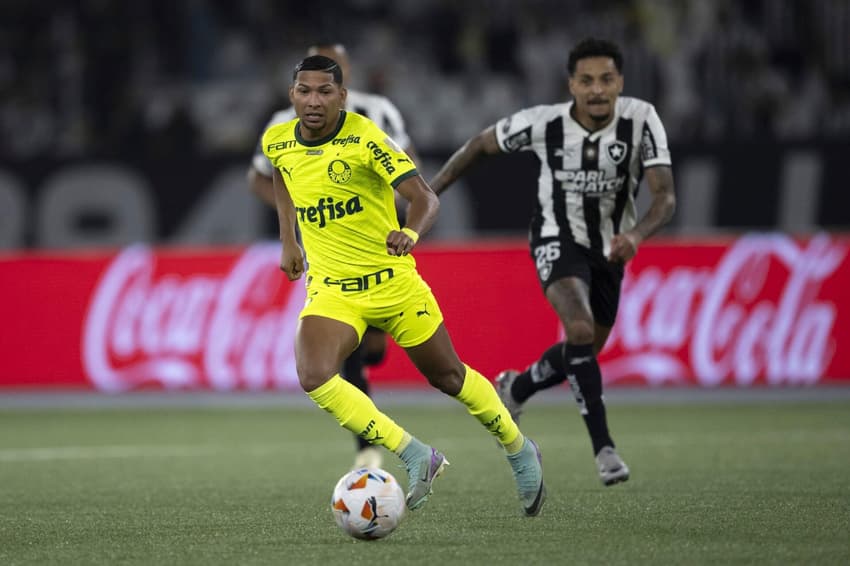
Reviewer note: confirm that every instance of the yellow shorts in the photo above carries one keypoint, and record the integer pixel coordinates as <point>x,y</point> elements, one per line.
<point>400,304</point>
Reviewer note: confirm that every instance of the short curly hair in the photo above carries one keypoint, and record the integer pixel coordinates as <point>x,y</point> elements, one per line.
<point>592,47</point>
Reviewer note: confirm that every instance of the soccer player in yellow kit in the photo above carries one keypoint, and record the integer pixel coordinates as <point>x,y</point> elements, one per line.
<point>334,176</point>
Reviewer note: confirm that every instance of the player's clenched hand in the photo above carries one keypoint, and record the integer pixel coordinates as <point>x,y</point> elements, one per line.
<point>292,261</point>
<point>399,243</point>
<point>623,247</point>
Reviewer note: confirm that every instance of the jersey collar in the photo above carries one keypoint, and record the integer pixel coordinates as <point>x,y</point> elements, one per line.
<point>592,133</point>
<point>324,140</point>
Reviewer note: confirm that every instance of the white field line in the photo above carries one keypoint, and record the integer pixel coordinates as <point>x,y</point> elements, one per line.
<point>49,454</point>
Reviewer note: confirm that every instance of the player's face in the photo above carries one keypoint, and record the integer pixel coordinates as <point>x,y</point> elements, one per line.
<point>595,86</point>
<point>317,101</point>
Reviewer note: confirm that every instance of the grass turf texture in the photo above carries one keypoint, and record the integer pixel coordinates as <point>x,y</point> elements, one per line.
<point>762,483</point>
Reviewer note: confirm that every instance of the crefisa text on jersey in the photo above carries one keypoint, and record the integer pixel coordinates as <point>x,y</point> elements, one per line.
<point>335,210</point>
<point>581,181</point>
<point>345,141</point>
<point>384,158</point>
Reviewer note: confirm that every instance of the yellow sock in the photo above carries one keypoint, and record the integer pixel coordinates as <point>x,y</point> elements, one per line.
<point>483,403</point>
<point>355,411</point>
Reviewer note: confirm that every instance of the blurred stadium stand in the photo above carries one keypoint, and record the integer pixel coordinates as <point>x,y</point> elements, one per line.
<point>128,121</point>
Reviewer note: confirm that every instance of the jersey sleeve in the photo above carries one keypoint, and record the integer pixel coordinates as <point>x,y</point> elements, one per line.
<point>386,157</point>
<point>259,161</point>
<point>653,141</point>
<point>513,133</point>
<point>271,144</point>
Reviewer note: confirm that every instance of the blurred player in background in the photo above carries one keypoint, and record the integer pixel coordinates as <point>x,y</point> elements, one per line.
<point>383,112</point>
<point>335,177</point>
<point>593,152</point>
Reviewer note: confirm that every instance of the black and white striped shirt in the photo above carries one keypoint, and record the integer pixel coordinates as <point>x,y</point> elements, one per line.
<point>588,181</point>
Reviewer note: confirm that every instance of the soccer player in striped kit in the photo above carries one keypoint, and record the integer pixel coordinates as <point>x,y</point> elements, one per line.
<point>593,152</point>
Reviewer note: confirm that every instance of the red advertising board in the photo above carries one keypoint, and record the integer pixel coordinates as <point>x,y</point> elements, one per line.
<point>763,309</point>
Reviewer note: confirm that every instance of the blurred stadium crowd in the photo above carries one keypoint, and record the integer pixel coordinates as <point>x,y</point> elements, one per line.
<point>106,77</point>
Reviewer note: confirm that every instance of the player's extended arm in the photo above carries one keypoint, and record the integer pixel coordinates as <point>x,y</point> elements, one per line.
<point>291,255</point>
<point>660,180</point>
<point>261,186</point>
<point>485,143</point>
<point>421,214</point>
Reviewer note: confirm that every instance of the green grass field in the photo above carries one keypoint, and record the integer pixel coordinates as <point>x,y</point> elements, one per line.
<point>754,483</point>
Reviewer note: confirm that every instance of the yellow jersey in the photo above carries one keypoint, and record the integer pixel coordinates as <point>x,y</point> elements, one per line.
<point>343,190</point>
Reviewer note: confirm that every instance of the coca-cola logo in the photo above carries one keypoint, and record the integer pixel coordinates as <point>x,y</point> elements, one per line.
<point>750,313</point>
<point>226,331</point>
<point>755,313</point>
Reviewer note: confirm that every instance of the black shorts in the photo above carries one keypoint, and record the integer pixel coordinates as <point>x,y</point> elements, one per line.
<point>556,258</point>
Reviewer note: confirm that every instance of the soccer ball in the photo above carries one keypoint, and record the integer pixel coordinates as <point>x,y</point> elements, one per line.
<point>368,503</point>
